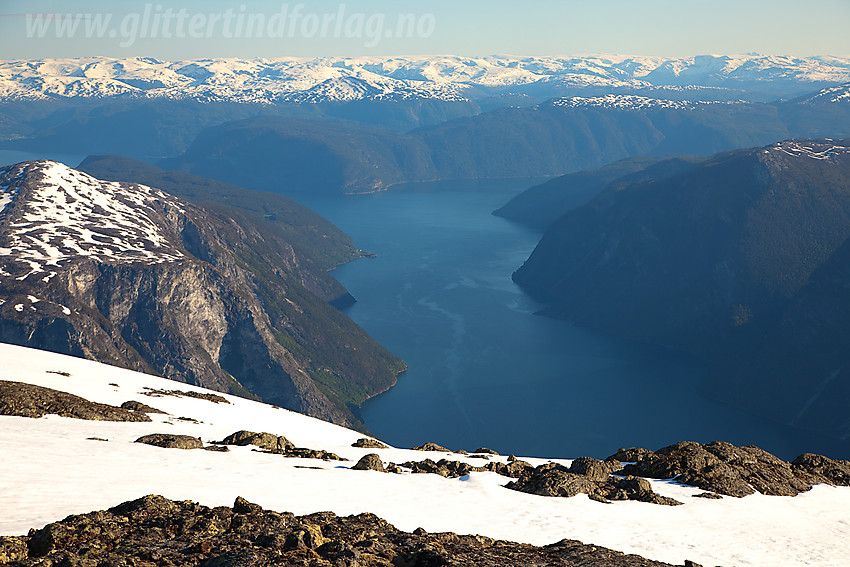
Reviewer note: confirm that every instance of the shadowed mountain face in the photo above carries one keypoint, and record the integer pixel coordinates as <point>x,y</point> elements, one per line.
<point>562,135</point>
<point>739,259</point>
<point>132,276</point>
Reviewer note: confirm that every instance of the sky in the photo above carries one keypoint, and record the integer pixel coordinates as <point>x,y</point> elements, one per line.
<point>263,28</point>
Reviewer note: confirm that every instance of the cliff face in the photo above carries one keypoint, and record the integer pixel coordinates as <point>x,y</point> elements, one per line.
<point>131,276</point>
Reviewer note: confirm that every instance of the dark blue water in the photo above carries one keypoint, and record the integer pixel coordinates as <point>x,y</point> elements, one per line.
<point>483,369</point>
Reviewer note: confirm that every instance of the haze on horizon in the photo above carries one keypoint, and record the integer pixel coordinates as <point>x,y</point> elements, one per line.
<point>670,28</point>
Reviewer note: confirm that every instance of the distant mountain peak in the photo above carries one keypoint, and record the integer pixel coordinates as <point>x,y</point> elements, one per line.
<point>54,214</point>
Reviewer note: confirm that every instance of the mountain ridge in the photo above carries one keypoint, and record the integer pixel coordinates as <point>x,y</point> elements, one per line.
<point>200,295</point>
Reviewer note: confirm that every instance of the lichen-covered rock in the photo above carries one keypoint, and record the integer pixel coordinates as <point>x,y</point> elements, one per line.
<point>156,531</point>
<point>370,462</point>
<point>431,447</point>
<point>556,480</point>
<point>722,468</point>
<point>593,469</point>
<point>369,443</point>
<point>28,400</point>
<point>171,441</point>
<point>133,405</point>
<point>816,469</point>
<point>268,441</point>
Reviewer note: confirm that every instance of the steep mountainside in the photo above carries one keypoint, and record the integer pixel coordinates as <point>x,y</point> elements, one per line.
<point>542,204</point>
<point>291,155</point>
<point>129,275</point>
<point>737,255</point>
<point>311,235</point>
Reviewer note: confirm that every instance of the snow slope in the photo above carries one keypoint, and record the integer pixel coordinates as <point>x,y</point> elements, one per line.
<point>50,468</point>
<point>379,78</point>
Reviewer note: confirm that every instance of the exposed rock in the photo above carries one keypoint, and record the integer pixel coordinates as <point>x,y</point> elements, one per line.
<point>513,469</point>
<point>709,495</point>
<point>140,407</point>
<point>268,441</point>
<point>443,467</point>
<point>171,441</point>
<point>214,398</point>
<point>721,467</point>
<point>217,448</point>
<point>593,469</point>
<point>432,447</point>
<point>27,400</point>
<point>157,531</point>
<point>370,462</point>
<point>277,444</point>
<point>12,549</point>
<point>485,451</point>
<point>816,469</point>
<point>553,479</point>
<point>369,443</point>
<point>630,455</point>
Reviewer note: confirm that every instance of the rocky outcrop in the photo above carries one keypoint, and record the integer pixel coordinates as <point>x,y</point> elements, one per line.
<point>140,279</point>
<point>723,468</point>
<point>817,469</point>
<point>369,443</point>
<point>154,530</point>
<point>214,398</point>
<point>431,447</point>
<point>28,400</point>
<point>133,405</point>
<point>277,444</point>
<point>263,440</point>
<point>587,476</point>
<point>171,441</point>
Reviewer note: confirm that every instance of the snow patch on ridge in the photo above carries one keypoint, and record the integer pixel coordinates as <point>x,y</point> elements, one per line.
<point>60,214</point>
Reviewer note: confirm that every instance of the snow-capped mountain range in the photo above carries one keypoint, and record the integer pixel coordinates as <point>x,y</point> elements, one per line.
<point>54,466</point>
<point>447,78</point>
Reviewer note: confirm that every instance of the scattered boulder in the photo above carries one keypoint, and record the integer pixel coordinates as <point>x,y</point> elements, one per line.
<point>133,405</point>
<point>485,451</point>
<point>369,443</point>
<point>267,441</point>
<point>154,530</point>
<point>277,444</point>
<point>443,467</point>
<point>28,400</point>
<point>432,447</point>
<point>370,462</point>
<point>214,398</point>
<point>171,441</point>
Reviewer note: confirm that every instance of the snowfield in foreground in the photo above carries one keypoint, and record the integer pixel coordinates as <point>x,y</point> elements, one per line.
<point>50,468</point>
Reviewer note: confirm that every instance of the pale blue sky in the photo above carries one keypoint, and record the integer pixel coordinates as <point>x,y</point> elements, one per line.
<point>471,27</point>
